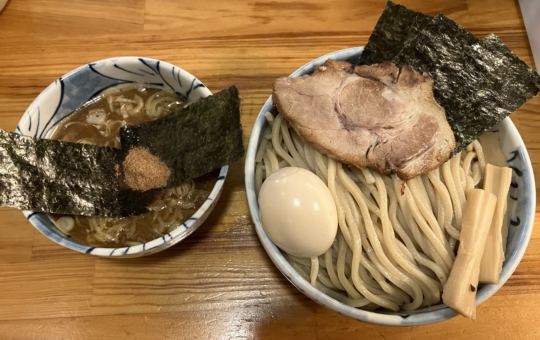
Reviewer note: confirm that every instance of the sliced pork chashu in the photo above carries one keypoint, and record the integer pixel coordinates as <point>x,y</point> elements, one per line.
<point>379,116</point>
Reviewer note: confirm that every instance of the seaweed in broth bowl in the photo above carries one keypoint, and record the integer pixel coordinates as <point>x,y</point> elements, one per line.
<point>98,122</point>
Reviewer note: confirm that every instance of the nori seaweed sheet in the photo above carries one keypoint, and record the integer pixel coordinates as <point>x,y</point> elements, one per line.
<point>395,25</point>
<point>54,176</point>
<point>195,140</point>
<point>507,80</point>
<point>478,83</point>
<point>438,49</point>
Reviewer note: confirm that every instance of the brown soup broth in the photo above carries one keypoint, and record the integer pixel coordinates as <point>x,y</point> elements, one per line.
<point>98,122</point>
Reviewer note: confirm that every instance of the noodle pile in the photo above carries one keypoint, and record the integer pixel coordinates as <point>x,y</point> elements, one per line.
<point>396,239</point>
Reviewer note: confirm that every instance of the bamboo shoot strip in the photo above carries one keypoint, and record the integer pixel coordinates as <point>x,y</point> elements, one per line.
<point>496,181</point>
<point>492,149</point>
<point>195,140</point>
<point>459,292</point>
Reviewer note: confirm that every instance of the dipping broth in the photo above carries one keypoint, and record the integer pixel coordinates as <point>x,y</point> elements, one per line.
<point>98,122</point>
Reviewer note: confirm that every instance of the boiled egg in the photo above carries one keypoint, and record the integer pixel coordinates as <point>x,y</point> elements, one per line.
<point>298,212</point>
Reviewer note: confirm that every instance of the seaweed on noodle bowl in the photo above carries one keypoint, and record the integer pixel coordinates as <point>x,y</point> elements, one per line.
<point>98,122</point>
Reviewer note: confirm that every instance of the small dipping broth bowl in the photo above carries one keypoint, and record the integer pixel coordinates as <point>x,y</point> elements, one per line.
<point>61,98</point>
<point>521,209</point>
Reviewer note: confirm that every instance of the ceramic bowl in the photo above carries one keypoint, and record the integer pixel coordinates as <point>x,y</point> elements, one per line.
<point>70,91</point>
<point>521,208</point>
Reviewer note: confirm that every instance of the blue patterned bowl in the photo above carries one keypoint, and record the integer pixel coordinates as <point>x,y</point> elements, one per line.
<point>67,93</point>
<point>521,209</point>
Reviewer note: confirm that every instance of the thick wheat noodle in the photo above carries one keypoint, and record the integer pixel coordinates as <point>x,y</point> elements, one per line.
<point>310,156</point>
<point>322,276</point>
<point>329,263</point>
<point>390,240</point>
<point>400,216</point>
<point>345,203</point>
<point>376,282</point>
<point>340,269</point>
<point>290,145</point>
<point>439,272</point>
<point>276,142</point>
<point>470,184</point>
<point>357,251</point>
<point>388,234</point>
<point>441,210</point>
<point>400,279</point>
<point>466,166</point>
<point>378,272</point>
<point>443,206</point>
<point>449,180</point>
<point>429,217</point>
<point>368,190</point>
<point>438,246</point>
<point>430,192</point>
<point>477,174</point>
<point>261,150</point>
<point>444,195</point>
<point>378,228</point>
<point>342,224</point>
<point>258,177</point>
<point>467,162</point>
<point>360,302</point>
<point>405,238</point>
<point>410,224</point>
<point>269,118</point>
<point>320,161</point>
<point>317,269</point>
<point>372,205</point>
<point>423,192</point>
<point>314,269</point>
<point>435,254</point>
<point>274,162</point>
<point>480,155</point>
<point>462,177</point>
<point>368,176</point>
<point>458,180</point>
<point>404,251</point>
<point>299,146</point>
<point>416,185</point>
<point>373,265</point>
<point>267,165</point>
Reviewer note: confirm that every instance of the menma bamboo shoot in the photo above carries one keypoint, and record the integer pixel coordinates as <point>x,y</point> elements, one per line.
<point>459,292</point>
<point>496,181</point>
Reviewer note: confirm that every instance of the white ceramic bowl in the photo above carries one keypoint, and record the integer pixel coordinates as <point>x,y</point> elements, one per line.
<point>70,91</point>
<point>521,209</point>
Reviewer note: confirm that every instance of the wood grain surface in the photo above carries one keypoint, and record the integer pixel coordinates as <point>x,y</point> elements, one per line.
<point>219,283</point>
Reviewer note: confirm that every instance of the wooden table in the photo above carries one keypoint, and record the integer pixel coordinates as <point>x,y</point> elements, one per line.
<point>219,283</point>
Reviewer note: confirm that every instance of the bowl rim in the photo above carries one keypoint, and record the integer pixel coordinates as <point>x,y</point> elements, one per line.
<point>439,312</point>
<point>39,220</point>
